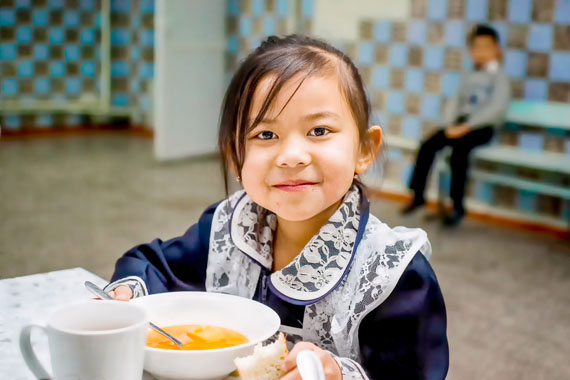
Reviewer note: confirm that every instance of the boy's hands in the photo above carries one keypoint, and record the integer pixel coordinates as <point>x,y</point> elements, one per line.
<point>457,131</point>
<point>331,367</point>
<point>121,293</point>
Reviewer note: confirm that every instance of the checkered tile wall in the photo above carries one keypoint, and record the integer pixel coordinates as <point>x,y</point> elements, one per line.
<point>51,50</point>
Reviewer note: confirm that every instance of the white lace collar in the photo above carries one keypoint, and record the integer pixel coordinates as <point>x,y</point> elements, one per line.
<point>321,265</point>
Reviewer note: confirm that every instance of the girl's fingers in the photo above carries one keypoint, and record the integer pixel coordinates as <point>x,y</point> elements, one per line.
<point>292,375</point>
<point>291,359</point>
<point>111,293</point>
<point>123,293</point>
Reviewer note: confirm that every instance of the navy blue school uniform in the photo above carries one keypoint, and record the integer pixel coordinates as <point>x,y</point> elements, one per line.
<point>403,337</point>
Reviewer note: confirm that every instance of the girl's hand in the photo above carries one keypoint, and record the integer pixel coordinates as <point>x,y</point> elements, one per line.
<point>331,367</point>
<point>121,293</point>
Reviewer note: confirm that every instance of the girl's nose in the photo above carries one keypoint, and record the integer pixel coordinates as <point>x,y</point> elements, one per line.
<point>293,153</point>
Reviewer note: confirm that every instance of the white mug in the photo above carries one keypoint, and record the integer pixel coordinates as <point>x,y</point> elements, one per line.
<point>93,340</point>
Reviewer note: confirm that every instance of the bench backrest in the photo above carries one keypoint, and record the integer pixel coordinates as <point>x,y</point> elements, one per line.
<point>539,114</point>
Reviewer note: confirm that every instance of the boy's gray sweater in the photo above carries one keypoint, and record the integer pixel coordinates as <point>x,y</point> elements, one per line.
<point>482,97</point>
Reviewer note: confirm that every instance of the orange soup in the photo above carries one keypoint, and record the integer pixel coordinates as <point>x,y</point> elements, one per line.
<point>196,337</point>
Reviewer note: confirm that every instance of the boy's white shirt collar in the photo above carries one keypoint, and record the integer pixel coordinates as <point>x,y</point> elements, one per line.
<point>320,266</point>
<point>492,67</point>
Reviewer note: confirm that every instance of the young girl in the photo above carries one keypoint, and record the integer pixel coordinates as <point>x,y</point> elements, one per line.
<point>299,237</point>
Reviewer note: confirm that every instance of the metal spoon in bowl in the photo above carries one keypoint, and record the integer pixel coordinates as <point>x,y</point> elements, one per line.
<point>101,294</point>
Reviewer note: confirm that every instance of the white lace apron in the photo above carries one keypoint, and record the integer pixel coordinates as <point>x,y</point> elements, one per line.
<point>338,284</point>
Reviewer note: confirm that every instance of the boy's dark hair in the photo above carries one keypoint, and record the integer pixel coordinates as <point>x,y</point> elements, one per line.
<point>481,30</point>
<point>284,57</point>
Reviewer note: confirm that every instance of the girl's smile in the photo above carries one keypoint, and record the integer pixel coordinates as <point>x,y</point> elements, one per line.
<point>294,186</point>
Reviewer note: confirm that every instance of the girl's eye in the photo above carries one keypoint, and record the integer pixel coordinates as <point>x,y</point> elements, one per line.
<point>266,135</point>
<point>319,131</point>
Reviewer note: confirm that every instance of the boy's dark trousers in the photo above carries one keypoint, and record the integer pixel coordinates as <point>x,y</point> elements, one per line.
<point>461,148</point>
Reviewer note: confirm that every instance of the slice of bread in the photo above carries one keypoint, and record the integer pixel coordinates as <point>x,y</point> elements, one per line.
<point>265,362</point>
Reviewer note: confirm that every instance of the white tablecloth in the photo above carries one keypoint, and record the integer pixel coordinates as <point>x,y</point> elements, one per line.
<point>31,298</point>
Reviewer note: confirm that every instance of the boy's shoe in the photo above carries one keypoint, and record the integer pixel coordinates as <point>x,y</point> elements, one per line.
<point>413,206</point>
<point>453,219</point>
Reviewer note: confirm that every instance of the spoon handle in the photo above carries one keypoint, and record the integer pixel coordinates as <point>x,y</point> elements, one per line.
<point>101,294</point>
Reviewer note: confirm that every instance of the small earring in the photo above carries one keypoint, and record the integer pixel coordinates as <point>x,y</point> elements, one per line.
<point>238,179</point>
<point>355,175</point>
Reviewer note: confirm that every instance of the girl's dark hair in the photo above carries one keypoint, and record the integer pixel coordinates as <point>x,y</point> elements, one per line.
<point>483,30</point>
<point>284,57</point>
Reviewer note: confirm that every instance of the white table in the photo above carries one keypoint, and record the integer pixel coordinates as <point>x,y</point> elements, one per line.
<point>31,298</point>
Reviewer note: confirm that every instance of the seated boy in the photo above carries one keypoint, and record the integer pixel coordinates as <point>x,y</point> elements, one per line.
<point>479,106</point>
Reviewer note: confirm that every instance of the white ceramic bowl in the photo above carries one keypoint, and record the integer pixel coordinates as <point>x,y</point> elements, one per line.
<point>252,319</point>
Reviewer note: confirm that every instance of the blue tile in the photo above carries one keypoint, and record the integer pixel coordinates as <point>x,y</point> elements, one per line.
<point>244,26</point>
<point>7,17</point>
<point>10,86</point>
<point>455,34</point>
<point>87,5</point>
<point>25,69</point>
<point>412,128</point>
<point>233,44</point>
<point>120,36</point>
<point>44,120</point>
<point>450,83</point>
<point>88,36</point>
<point>308,8</point>
<point>233,7</point>
<point>501,29</point>
<point>515,63</point>
<point>88,69</point>
<point>437,9</point>
<point>72,86</point>
<point>532,142</point>
<point>484,192</point>
<point>40,17</point>
<point>540,37</point>
<point>383,31</point>
<point>434,58</point>
<point>395,103</point>
<point>55,4</point>
<point>417,32</point>
<point>147,6</point>
<point>147,38</point>
<point>120,100</point>
<point>56,36</point>
<point>23,4</point>
<point>24,35</point>
<point>147,70</point>
<point>71,19</point>
<point>258,7</point>
<point>407,173</point>
<point>527,201</point>
<point>8,52</point>
<point>12,122</point>
<point>476,10</point>
<point>42,86</point>
<point>41,52</point>
<point>72,53</point>
<point>398,55</point>
<point>431,107</point>
<point>121,6</point>
<point>381,77</point>
<point>57,69</point>
<point>269,26</point>
<point>520,11</point>
<point>414,81</point>
<point>560,66</point>
<point>282,7</point>
<point>536,89</point>
<point>120,69</point>
<point>366,53</point>
<point>394,154</point>
<point>562,12</point>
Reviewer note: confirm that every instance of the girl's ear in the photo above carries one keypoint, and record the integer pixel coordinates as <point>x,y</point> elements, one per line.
<point>368,152</point>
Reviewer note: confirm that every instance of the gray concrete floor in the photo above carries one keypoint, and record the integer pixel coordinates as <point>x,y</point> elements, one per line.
<point>83,200</point>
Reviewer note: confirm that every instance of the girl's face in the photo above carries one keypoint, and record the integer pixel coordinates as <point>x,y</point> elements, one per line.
<point>301,159</point>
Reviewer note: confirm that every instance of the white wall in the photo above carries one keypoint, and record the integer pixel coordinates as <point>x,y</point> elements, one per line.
<point>189,77</point>
<point>339,19</point>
